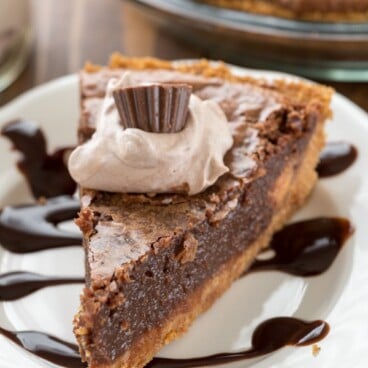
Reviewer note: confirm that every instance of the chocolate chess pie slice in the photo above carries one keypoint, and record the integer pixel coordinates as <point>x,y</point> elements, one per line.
<point>154,262</point>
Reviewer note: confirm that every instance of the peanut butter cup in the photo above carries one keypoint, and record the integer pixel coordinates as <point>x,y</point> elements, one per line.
<point>157,108</point>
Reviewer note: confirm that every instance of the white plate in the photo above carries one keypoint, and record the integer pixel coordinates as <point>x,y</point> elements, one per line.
<point>340,295</point>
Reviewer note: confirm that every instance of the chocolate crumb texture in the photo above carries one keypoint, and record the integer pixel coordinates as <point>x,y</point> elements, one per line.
<point>189,250</point>
<point>315,350</point>
<point>86,221</point>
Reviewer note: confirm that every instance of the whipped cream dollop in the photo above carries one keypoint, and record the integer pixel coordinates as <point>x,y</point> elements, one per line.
<point>135,161</point>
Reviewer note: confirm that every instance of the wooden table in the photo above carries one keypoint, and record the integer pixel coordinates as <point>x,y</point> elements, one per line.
<point>69,32</point>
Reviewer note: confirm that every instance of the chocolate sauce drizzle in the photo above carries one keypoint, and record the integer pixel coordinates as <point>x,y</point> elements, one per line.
<point>306,248</point>
<point>268,337</point>
<point>336,158</point>
<point>15,285</point>
<point>47,347</point>
<point>31,228</point>
<point>47,175</point>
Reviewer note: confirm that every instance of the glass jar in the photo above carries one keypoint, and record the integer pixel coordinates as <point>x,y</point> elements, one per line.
<point>15,39</point>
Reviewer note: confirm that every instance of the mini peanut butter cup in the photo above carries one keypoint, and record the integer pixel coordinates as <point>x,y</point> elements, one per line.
<point>158,108</point>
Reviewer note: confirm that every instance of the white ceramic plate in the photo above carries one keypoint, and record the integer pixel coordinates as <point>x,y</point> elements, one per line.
<point>340,295</point>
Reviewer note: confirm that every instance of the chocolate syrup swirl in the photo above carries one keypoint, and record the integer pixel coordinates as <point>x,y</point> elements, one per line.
<point>15,285</point>
<point>269,336</point>
<point>47,175</point>
<point>31,228</point>
<point>306,248</point>
<point>47,347</point>
<point>336,158</point>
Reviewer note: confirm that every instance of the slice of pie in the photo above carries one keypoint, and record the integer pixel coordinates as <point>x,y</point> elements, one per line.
<point>155,262</point>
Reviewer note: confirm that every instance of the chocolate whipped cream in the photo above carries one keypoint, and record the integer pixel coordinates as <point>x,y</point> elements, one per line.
<point>135,161</point>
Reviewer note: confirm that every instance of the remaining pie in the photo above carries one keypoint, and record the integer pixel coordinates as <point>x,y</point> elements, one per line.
<point>155,262</point>
<point>331,11</point>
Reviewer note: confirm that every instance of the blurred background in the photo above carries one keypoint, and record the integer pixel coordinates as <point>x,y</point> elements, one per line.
<point>44,39</point>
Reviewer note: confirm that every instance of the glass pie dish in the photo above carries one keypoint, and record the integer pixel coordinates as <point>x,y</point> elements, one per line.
<point>327,51</point>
